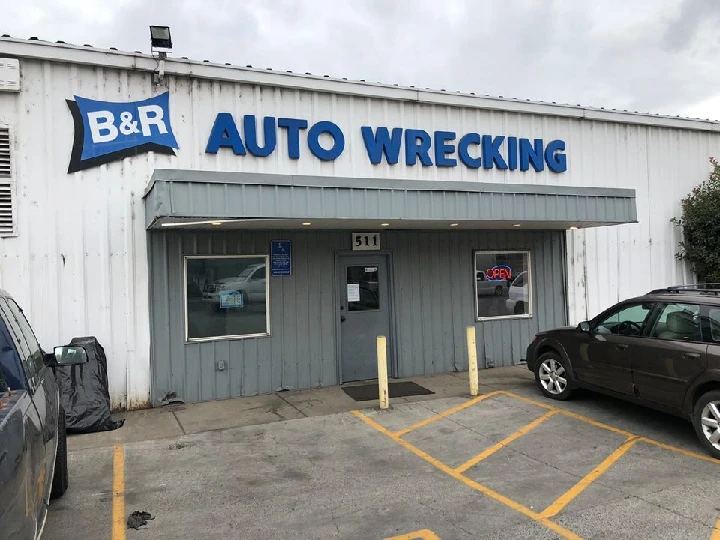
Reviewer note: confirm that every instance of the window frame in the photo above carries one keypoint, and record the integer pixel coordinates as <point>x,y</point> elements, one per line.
<point>229,337</point>
<point>528,278</point>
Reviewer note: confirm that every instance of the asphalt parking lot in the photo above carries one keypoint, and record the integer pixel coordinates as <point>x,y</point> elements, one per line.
<point>507,464</point>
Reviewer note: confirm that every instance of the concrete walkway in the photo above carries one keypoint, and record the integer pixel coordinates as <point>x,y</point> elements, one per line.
<point>184,419</point>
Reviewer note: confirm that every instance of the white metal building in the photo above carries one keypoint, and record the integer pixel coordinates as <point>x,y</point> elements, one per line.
<point>148,221</point>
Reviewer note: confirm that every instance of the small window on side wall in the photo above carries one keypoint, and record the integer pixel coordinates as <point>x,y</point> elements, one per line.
<point>226,297</point>
<point>503,284</point>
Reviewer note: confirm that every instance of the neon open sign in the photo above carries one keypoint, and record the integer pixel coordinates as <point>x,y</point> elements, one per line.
<point>499,272</point>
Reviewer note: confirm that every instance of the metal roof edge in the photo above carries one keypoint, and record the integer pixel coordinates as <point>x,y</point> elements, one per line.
<point>238,178</point>
<point>111,58</point>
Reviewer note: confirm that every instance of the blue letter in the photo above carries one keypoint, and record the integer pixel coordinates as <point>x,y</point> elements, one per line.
<point>512,153</point>
<point>251,138</point>
<point>335,132</point>
<point>554,156</point>
<point>491,152</point>
<point>465,157</point>
<point>415,148</point>
<point>442,149</point>
<point>224,134</point>
<point>293,127</point>
<point>528,154</point>
<point>382,143</point>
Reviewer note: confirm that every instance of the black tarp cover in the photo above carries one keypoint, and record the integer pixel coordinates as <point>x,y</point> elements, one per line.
<point>84,391</point>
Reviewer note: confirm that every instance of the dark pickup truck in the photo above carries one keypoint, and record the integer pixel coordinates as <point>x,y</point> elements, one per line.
<point>33,450</point>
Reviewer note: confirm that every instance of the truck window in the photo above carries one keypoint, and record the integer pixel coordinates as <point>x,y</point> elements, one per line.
<point>10,370</point>
<point>29,335</point>
<point>25,342</point>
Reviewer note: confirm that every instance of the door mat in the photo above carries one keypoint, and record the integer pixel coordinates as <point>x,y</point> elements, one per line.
<point>368,392</point>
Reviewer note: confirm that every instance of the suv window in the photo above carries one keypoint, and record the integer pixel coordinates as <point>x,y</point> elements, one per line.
<point>678,322</point>
<point>629,320</point>
<point>25,342</point>
<point>712,329</point>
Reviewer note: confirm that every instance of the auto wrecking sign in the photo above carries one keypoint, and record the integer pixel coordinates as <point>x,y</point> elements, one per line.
<point>439,148</point>
<point>109,131</point>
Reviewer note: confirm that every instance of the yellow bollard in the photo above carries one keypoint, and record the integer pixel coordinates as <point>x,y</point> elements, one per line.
<point>472,360</point>
<point>382,372</point>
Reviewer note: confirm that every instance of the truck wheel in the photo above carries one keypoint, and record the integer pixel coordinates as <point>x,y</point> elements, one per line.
<point>706,419</point>
<point>61,479</point>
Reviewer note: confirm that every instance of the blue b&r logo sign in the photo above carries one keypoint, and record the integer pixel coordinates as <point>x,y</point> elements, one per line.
<point>109,131</point>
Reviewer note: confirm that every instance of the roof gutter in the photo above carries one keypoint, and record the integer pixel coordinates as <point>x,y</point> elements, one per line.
<point>180,67</point>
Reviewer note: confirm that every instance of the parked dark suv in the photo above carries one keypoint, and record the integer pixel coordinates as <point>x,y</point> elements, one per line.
<point>661,350</point>
<point>33,452</point>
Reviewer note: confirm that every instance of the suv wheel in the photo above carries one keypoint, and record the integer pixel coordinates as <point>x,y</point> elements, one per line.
<point>706,419</point>
<point>60,479</point>
<point>552,377</point>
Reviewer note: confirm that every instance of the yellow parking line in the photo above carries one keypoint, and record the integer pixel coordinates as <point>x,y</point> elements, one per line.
<point>558,529</point>
<point>716,531</point>
<point>567,497</point>
<point>679,450</point>
<point>571,414</point>
<point>118,526</point>
<point>607,427</point>
<point>595,423</point>
<point>447,413</point>
<point>425,534</point>
<point>507,440</point>
<point>529,400</point>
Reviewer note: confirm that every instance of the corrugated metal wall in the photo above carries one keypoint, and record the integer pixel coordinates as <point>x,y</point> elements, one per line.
<point>78,264</point>
<point>434,303</point>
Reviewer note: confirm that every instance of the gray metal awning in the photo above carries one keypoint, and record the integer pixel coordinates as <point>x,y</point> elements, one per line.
<point>200,199</point>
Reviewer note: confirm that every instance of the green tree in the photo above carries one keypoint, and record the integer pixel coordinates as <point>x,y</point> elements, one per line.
<point>700,224</point>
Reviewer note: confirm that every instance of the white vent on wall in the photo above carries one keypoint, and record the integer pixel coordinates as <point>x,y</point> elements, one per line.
<point>7,187</point>
<point>9,75</point>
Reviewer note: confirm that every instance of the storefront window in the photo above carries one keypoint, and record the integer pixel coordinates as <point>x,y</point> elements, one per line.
<point>503,284</point>
<point>226,297</point>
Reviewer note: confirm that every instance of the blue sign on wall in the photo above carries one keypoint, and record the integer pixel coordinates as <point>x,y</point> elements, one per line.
<point>108,131</point>
<point>413,146</point>
<point>280,258</point>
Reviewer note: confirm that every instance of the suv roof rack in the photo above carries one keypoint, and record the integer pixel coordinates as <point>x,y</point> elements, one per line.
<point>698,288</point>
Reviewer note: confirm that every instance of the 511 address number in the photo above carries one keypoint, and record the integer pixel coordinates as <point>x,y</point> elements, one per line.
<point>365,241</point>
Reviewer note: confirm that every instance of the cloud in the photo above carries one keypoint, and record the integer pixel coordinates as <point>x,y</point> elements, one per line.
<point>648,55</point>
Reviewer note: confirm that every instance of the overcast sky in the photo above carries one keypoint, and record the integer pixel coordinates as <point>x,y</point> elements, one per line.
<point>648,55</point>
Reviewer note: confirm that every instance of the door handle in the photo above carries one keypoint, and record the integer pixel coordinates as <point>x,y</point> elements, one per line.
<point>342,318</point>
<point>621,347</point>
<point>692,356</point>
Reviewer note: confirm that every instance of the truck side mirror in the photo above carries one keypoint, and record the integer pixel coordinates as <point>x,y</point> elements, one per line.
<point>584,326</point>
<point>70,356</point>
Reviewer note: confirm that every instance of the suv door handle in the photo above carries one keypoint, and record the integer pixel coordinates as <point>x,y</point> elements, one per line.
<point>692,355</point>
<point>621,347</point>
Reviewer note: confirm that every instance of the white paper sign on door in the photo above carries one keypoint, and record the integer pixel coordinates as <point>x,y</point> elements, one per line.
<point>353,292</point>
